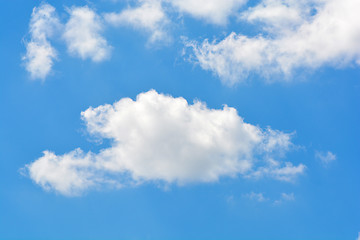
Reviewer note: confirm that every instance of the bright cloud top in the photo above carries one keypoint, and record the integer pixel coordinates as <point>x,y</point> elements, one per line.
<point>163,139</point>
<point>40,55</point>
<point>295,34</point>
<point>82,35</point>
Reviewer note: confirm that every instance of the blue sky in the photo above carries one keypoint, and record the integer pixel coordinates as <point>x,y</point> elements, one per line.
<point>169,119</point>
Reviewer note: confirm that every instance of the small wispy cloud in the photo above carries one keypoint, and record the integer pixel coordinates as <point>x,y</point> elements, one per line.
<point>325,157</point>
<point>259,197</point>
<point>230,199</point>
<point>285,197</point>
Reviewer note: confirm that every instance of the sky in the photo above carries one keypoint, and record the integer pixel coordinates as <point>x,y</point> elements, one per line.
<point>180,119</point>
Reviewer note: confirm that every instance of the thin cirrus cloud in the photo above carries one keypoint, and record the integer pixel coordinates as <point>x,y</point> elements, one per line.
<point>81,33</point>
<point>315,34</point>
<point>40,54</point>
<point>161,139</point>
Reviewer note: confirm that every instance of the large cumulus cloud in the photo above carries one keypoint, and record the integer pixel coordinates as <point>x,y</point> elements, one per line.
<point>159,138</point>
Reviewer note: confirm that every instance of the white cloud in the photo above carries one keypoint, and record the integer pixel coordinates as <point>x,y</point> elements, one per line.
<point>325,157</point>
<point>279,15</point>
<point>67,173</point>
<point>285,197</point>
<point>163,139</point>
<point>259,197</point>
<point>82,35</point>
<point>152,16</point>
<point>278,170</point>
<point>358,236</point>
<point>149,16</point>
<point>211,11</point>
<point>40,55</point>
<point>329,37</point>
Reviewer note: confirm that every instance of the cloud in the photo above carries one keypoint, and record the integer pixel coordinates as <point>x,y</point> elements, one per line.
<point>259,197</point>
<point>82,35</point>
<point>211,11</point>
<point>149,16</point>
<point>279,16</point>
<point>40,55</point>
<point>285,197</point>
<point>230,199</point>
<point>286,172</point>
<point>309,34</point>
<point>325,157</point>
<point>358,238</point>
<point>288,197</point>
<point>153,16</point>
<point>67,174</point>
<point>162,139</point>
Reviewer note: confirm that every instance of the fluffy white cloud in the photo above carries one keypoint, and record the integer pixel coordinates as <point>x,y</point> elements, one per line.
<point>163,139</point>
<point>358,236</point>
<point>325,157</point>
<point>82,35</point>
<point>40,54</point>
<point>149,16</point>
<point>67,173</point>
<point>316,33</point>
<point>211,11</point>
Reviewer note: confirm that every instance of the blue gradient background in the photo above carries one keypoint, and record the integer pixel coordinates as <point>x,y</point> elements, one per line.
<point>322,107</point>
